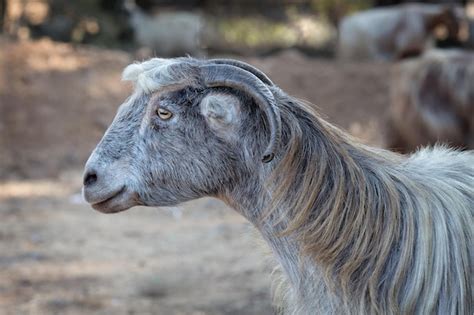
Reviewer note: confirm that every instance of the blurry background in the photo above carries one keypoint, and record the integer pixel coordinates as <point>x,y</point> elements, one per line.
<point>60,66</point>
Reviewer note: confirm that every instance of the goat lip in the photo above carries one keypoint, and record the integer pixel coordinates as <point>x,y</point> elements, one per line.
<point>107,206</point>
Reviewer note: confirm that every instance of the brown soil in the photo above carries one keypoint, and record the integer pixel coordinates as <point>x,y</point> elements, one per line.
<point>57,256</point>
<point>55,102</point>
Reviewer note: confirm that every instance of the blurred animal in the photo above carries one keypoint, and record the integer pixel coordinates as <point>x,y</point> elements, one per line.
<point>392,2</point>
<point>392,33</point>
<point>356,230</point>
<point>433,101</point>
<point>169,33</point>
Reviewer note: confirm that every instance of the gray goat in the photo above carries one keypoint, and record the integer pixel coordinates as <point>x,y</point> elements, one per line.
<point>356,230</point>
<point>432,101</point>
<point>395,32</point>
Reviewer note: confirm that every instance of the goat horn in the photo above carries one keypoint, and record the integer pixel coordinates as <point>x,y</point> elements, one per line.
<point>259,74</point>
<point>225,75</point>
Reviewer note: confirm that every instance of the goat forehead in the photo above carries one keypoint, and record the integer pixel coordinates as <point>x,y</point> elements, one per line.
<point>158,73</point>
<point>134,105</point>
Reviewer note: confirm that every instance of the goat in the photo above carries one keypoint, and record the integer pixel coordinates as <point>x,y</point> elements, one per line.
<point>355,229</point>
<point>395,32</point>
<point>432,100</point>
<point>393,2</point>
<point>167,33</point>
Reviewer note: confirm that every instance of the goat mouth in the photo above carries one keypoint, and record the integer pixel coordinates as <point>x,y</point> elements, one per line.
<point>118,201</point>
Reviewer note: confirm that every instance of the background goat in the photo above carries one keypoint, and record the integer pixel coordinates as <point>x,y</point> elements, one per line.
<point>167,33</point>
<point>355,229</point>
<point>433,100</point>
<point>391,33</point>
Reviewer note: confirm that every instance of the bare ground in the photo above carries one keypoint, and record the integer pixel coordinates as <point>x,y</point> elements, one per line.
<point>58,256</point>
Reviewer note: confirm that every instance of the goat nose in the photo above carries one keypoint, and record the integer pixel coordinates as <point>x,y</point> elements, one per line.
<point>90,177</point>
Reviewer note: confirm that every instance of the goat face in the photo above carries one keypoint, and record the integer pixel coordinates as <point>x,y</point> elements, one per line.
<point>170,144</point>
<point>449,19</point>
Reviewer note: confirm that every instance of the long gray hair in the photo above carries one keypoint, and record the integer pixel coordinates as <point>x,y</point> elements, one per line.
<point>389,234</point>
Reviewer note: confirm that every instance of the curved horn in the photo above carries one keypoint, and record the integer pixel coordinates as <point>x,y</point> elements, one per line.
<point>224,75</point>
<point>259,74</point>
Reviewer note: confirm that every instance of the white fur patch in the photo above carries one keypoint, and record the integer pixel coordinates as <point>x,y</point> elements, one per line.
<point>150,75</point>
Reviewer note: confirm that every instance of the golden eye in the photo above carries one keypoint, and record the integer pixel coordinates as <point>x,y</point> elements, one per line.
<point>164,114</point>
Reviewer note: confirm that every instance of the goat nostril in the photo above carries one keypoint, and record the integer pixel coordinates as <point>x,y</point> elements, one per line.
<point>90,178</point>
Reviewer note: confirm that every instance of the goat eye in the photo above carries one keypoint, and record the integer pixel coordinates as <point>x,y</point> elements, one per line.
<point>163,114</point>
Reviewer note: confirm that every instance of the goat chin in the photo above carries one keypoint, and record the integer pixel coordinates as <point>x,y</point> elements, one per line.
<point>122,201</point>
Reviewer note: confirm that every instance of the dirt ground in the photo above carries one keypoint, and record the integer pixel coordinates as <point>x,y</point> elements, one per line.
<point>58,256</point>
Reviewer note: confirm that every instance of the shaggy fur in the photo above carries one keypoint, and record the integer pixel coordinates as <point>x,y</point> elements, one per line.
<point>389,234</point>
<point>355,230</point>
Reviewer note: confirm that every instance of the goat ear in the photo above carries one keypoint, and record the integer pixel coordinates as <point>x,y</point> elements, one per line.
<point>222,113</point>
